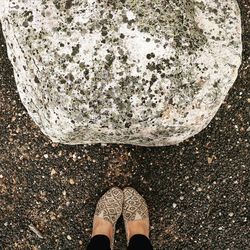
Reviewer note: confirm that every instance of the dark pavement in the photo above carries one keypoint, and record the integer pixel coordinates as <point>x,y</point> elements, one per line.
<point>198,192</point>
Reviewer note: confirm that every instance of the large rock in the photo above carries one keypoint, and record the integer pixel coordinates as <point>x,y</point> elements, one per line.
<point>139,72</point>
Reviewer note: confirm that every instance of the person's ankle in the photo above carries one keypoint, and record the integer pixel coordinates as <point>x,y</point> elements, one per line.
<point>102,227</point>
<point>138,227</point>
<point>101,232</point>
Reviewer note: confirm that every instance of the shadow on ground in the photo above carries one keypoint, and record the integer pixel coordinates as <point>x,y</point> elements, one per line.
<point>197,191</point>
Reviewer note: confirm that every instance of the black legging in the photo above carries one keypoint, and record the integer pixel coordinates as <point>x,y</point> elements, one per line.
<point>137,242</point>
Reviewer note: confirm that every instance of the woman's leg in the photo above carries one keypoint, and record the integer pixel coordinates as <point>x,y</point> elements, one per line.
<point>108,210</point>
<point>136,219</point>
<point>139,242</point>
<point>99,242</point>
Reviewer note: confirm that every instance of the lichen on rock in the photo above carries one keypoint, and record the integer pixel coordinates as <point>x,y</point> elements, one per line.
<point>148,73</point>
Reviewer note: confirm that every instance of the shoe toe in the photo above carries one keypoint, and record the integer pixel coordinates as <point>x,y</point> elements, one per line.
<point>109,207</point>
<point>135,206</point>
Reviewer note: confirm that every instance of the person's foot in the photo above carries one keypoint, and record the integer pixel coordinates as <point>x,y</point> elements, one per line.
<point>135,213</point>
<point>108,210</point>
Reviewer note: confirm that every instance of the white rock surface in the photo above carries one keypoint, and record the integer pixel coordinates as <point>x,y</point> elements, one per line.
<point>138,72</point>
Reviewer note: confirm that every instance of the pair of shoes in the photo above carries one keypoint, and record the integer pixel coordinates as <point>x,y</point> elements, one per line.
<point>127,202</point>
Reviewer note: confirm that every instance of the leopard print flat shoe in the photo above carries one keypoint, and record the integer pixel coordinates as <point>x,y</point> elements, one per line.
<point>134,208</point>
<point>109,208</point>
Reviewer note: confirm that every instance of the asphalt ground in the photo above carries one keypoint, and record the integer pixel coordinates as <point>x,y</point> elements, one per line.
<point>197,192</point>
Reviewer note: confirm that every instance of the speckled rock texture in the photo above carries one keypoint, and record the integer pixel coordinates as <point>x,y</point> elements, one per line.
<point>148,73</point>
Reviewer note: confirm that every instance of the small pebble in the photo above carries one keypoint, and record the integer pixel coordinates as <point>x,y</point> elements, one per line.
<point>53,171</point>
<point>69,237</point>
<point>71,181</point>
<point>52,217</point>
